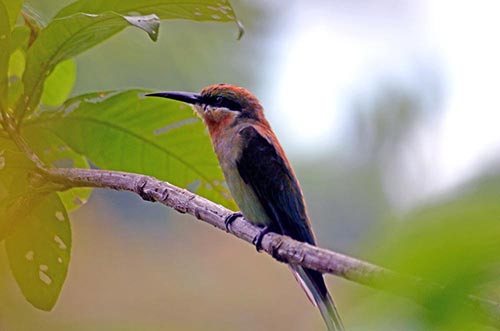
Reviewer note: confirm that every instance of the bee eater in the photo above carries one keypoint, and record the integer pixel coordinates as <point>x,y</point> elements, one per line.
<point>259,176</point>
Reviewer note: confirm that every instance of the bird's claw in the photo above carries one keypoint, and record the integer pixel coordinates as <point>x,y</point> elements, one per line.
<point>257,241</point>
<point>230,219</point>
<point>145,194</point>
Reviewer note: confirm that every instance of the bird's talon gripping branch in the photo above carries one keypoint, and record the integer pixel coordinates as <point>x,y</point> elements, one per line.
<point>143,193</point>
<point>230,219</point>
<point>257,241</point>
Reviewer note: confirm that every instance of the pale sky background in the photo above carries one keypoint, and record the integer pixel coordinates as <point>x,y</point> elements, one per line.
<point>334,48</point>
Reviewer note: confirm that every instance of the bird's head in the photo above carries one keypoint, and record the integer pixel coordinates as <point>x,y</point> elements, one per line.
<point>220,105</point>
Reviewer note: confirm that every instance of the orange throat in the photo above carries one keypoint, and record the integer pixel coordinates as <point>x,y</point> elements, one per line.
<point>217,122</point>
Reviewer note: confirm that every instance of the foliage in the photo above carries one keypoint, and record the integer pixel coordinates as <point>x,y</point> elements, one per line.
<point>453,243</point>
<point>113,130</point>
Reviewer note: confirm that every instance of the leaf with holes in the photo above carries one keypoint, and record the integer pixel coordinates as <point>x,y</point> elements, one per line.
<point>124,131</point>
<point>39,248</point>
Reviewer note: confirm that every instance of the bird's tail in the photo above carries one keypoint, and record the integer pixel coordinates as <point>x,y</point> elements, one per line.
<point>314,285</point>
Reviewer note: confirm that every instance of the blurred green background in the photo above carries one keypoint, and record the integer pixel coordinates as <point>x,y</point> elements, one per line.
<point>388,113</point>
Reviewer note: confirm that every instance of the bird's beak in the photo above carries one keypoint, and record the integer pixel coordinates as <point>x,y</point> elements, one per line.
<point>188,97</point>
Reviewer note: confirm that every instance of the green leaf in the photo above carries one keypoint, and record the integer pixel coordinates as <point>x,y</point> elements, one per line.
<point>124,131</point>
<point>207,10</point>
<point>85,24</point>
<point>76,197</point>
<point>197,10</point>
<point>39,250</point>
<point>14,169</point>
<point>453,243</point>
<point>63,39</point>
<point>14,165</point>
<point>20,38</point>
<point>56,153</point>
<point>16,68</point>
<point>15,91</point>
<point>17,64</point>
<point>13,8</point>
<point>4,54</point>
<point>59,84</point>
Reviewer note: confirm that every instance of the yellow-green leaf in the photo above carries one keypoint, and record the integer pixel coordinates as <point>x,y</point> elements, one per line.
<point>17,64</point>
<point>59,84</point>
<point>20,38</point>
<point>13,8</point>
<point>39,249</point>
<point>4,54</point>
<point>14,169</point>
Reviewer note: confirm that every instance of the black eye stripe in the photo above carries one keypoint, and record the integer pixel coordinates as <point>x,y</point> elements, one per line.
<point>220,101</point>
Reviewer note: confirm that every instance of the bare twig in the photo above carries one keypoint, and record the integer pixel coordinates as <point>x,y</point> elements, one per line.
<point>282,248</point>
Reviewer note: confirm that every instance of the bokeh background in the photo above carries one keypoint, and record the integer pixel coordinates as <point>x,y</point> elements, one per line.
<point>389,112</point>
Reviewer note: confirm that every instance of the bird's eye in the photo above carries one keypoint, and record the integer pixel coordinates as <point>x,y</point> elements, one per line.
<point>219,100</point>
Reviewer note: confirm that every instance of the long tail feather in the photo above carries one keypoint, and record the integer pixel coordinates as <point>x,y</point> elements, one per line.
<point>313,284</point>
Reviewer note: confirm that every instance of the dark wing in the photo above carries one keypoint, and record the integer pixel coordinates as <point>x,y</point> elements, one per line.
<point>268,174</point>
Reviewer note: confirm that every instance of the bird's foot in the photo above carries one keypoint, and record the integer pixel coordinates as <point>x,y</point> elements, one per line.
<point>145,194</point>
<point>230,219</point>
<point>257,241</point>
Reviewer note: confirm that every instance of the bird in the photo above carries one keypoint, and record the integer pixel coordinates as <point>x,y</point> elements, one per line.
<point>259,176</point>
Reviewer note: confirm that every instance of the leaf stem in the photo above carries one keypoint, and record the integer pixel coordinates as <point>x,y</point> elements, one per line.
<point>12,130</point>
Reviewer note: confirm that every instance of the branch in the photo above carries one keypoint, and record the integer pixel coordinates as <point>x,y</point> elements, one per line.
<point>282,248</point>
